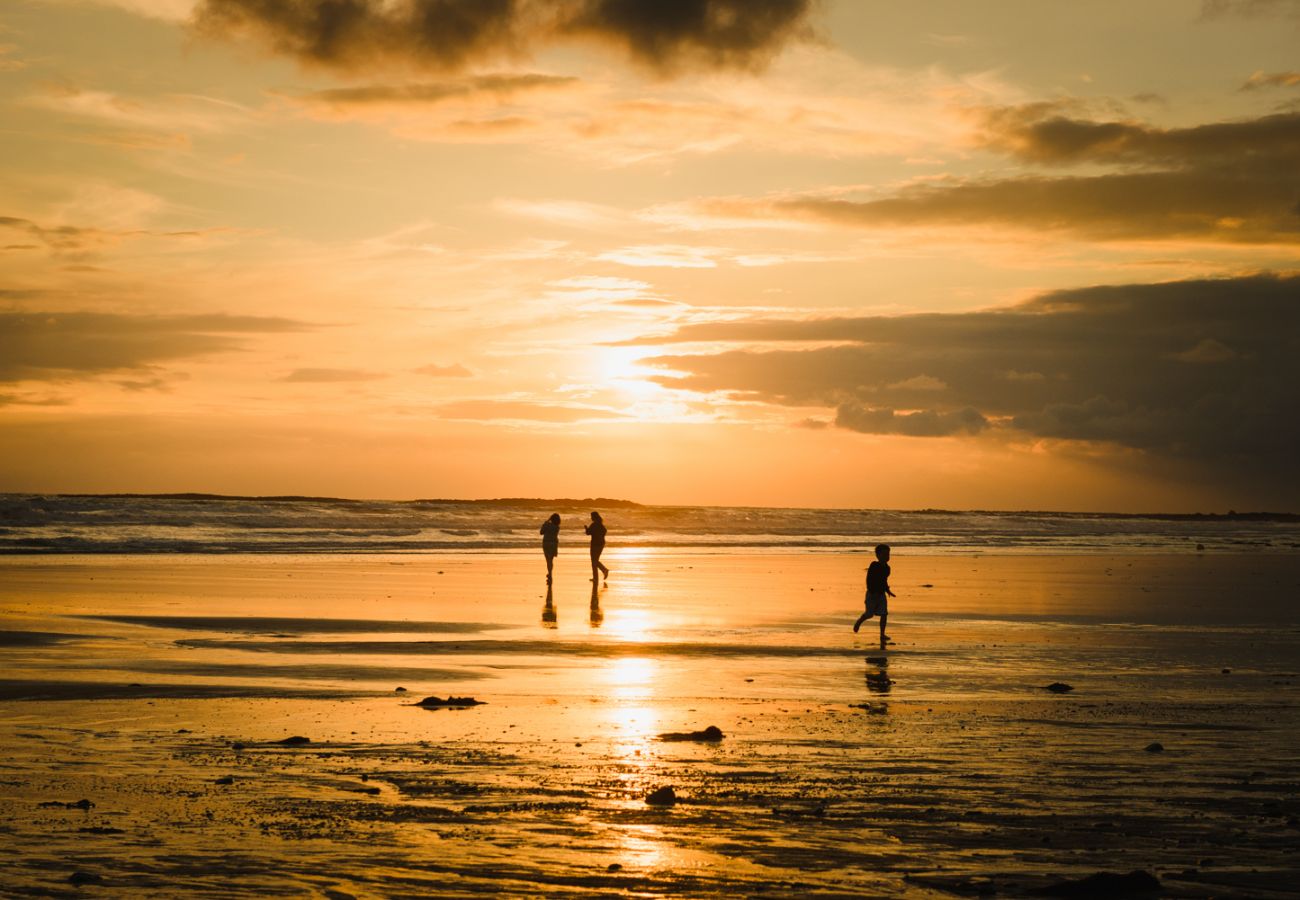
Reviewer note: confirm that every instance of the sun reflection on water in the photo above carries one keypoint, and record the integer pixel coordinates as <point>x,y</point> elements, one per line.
<point>630,624</point>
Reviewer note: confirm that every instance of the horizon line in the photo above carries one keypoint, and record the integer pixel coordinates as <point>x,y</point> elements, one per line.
<point>616,503</point>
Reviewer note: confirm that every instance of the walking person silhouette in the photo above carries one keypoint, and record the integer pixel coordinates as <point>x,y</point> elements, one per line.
<point>550,532</point>
<point>597,531</point>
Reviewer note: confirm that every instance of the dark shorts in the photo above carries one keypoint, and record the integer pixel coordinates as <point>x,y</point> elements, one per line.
<point>877,604</point>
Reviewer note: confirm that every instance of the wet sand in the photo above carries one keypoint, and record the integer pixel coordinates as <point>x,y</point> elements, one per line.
<point>158,688</point>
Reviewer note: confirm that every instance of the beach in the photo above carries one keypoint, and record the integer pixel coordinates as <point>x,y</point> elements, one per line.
<point>147,700</point>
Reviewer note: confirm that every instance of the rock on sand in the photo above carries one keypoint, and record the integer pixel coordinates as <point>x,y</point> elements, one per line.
<point>712,734</point>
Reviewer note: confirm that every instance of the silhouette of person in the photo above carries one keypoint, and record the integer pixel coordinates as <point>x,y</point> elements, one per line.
<point>549,618</point>
<point>550,532</point>
<point>597,531</point>
<point>596,615</point>
<point>878,592</point>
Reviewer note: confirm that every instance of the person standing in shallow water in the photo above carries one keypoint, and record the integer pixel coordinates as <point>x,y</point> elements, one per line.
<point>878,592</point>
<point>597,531</point>
<point>550,532</point>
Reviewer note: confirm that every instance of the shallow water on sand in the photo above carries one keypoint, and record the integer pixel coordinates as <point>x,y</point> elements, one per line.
<point>937,765</point>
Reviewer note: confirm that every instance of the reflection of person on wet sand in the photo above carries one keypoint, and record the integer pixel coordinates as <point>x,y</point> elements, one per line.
<point>878,592</point>
<point>597,531</point>
<point>549,618</point>
<point>550,532</point>
<point>878,680</point>
<point>596,615</point>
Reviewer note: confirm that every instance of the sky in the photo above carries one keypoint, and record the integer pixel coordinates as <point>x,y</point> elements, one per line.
<point>849,253</point>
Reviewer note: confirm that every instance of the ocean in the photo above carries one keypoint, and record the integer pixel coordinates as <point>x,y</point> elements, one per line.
<point>200,523</point>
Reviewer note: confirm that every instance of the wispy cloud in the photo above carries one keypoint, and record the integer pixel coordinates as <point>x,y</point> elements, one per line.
<point>166,113</point>
<point>455,370</point>
<point>330,376</point>
<point>1259,80</point>
<point>523,411</point>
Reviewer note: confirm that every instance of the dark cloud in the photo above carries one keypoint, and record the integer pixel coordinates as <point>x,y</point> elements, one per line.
<point>53,346</point>
<point>330,376</point>
<point>923,423</point>
<point>1229,182</point>
<point>1201,370</point>
<point>1039,133</point>
<point>1229,206</point>
<point>355,35</point>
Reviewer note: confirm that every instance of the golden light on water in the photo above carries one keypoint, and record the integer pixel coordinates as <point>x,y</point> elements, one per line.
<point>630,624</point>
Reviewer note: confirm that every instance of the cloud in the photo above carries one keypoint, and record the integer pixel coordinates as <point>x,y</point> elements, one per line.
<point>668,256</point>
<point>330,376</point>
<point>1203,370</point>
<point>32,400</point>
<point>569,213</point>
<point>522,410</point>
<point>1271,79</point>
<point>56,346</point>
<point>1039,133</point>
<point>450,35</point>
<point>1207,351</point>
<point>1229,182</point>
<point>455,370</point>
<point>923,423</point>
<point>385,100</point>
<point>171,114</point>
<point>78,241</point>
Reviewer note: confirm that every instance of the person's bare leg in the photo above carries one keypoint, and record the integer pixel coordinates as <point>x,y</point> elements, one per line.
<point>862,618</point>
<point>550,564</point>
<point>883,618</point>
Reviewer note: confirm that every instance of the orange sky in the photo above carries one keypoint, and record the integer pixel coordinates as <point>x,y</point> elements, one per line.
<point>772,252</point>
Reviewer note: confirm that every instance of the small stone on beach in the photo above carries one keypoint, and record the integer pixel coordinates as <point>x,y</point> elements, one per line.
<point>68,804</point>
<point>1059,687</point>
<point>296,741</point>
<point>710,734</point>
<point>1104,884</point>
<point>399,690</point>
<point>449,702</point>
<point>79,878</point>
<point>664,796</point>
<point>225,779</point>
<point>614,867</point>
<point>1155,747</point>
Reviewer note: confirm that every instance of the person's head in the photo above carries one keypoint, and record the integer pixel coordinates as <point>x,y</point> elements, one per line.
<point>595,516</point>
<point>555,518</point>
<point>882,552</point>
